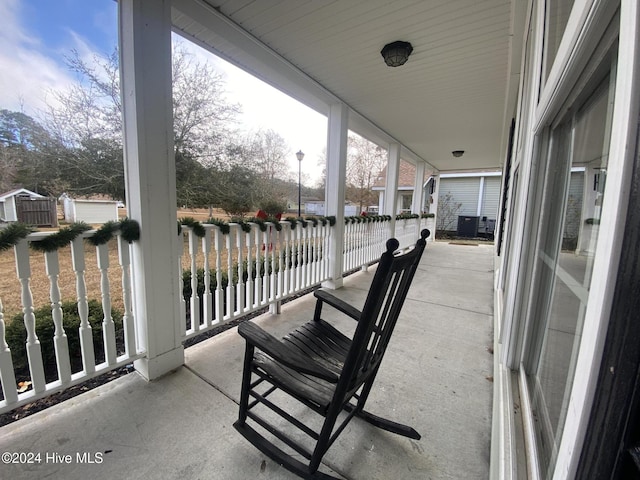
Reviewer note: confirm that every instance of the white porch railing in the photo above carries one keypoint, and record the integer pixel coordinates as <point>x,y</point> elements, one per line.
<point>46,378</point>
<point>225,276</point>
<point>408,230</point>
<point>364,240</point>
<point>233,274</point>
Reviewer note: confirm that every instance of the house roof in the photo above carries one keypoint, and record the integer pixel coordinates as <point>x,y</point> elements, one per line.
<point>18,191</point>
<point>406,177</point>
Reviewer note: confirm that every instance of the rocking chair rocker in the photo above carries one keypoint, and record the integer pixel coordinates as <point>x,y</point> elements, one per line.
<point>325,370</point>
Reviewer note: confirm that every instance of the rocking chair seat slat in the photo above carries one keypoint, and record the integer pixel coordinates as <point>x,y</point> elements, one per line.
<point>282,352</point>
<point>300,385</point>
<point>322,343</point>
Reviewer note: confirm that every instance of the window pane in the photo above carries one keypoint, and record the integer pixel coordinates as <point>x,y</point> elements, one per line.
<point>557,16</point>
<point>573,193</point>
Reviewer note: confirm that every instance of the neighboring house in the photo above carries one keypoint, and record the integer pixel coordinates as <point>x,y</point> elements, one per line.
<point>469,194</point>
<point>8,208</point>
<point>406,182</point>
<point>473,195</point>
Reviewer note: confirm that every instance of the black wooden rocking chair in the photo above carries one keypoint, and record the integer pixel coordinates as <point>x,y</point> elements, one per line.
<point>324,369</point>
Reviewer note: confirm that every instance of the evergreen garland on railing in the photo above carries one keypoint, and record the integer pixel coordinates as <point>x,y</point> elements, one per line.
<point>427,215</point>
<point>293,221</point>
<point>365,219</point>
<point>12,234</point>
<point>192,223</point>
<point>276,223</point>
<point>262,225</point>
<point>244,226</point>
<point>407,216</point>
<point>61,238</point>
<point>221,224</point>
<point>129,230</point>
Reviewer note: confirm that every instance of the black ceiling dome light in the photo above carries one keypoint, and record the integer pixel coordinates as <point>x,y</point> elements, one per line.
<point>396,53</point>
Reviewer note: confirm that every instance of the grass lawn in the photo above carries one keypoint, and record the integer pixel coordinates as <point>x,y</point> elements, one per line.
<point>10,289</point>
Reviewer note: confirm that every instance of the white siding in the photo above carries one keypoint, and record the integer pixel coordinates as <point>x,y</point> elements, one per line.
<point>491,197</point>
<point>463,191</point>
<point>91,211</point>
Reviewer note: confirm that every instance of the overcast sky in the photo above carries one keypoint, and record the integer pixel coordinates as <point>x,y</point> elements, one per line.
<point>37,34</point>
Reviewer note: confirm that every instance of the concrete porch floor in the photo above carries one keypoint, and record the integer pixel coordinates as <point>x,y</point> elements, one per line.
<point>436,377</point>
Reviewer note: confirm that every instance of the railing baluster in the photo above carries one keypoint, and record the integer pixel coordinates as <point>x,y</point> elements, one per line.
<point>182,302</point>
<point>218,294</point>
<point>315,277</point>
<point>299,257</point>
<point>124,258</point>
<point>249,286</point>
<point>346,258</point>
<point>207,312</point>
<point>230,287</point>
<point>194,304</point>
<point>273,285</point>
<point>60,342</point>
<point>286,274</point>
<point>240,287</point>
<point>7,375</point>
<point>280,246</point>
<point>307,255</point>
<point>34,353</point>
<point>108,327</point>
<point>266,285</point>
<point>258,267</point>
<point>86,336</point>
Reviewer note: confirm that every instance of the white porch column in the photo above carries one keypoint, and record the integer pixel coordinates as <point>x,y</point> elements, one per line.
<point>418,190</point>
<point>391,185</point>
<point>334,189</point>
<point>434,206</point>
<point>145,70</point>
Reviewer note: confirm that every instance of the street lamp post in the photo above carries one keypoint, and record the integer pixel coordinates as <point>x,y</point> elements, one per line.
<point>299,156</point>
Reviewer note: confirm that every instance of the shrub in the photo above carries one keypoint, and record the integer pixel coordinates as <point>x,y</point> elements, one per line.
<point>273,207</point>
<point>16,337</point>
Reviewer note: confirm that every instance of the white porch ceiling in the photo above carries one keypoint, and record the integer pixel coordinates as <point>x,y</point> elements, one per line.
<point>456,92</point>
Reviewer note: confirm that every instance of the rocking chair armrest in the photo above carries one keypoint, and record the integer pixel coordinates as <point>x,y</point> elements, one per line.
<point>283,353</point>
<point>338,304</point>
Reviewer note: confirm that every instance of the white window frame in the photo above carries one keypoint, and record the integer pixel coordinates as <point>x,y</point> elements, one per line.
<point>582,34</point>
<point>621,156</point>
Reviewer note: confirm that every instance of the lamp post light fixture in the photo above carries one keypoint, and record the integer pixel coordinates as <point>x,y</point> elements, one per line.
<point>299,156</point>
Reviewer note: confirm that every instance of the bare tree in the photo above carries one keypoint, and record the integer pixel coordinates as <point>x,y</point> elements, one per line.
<point>202,116</point>
<point>87,118</point>
<point>266,154</point>
<point>448,210</point>
<point>365,160</point>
